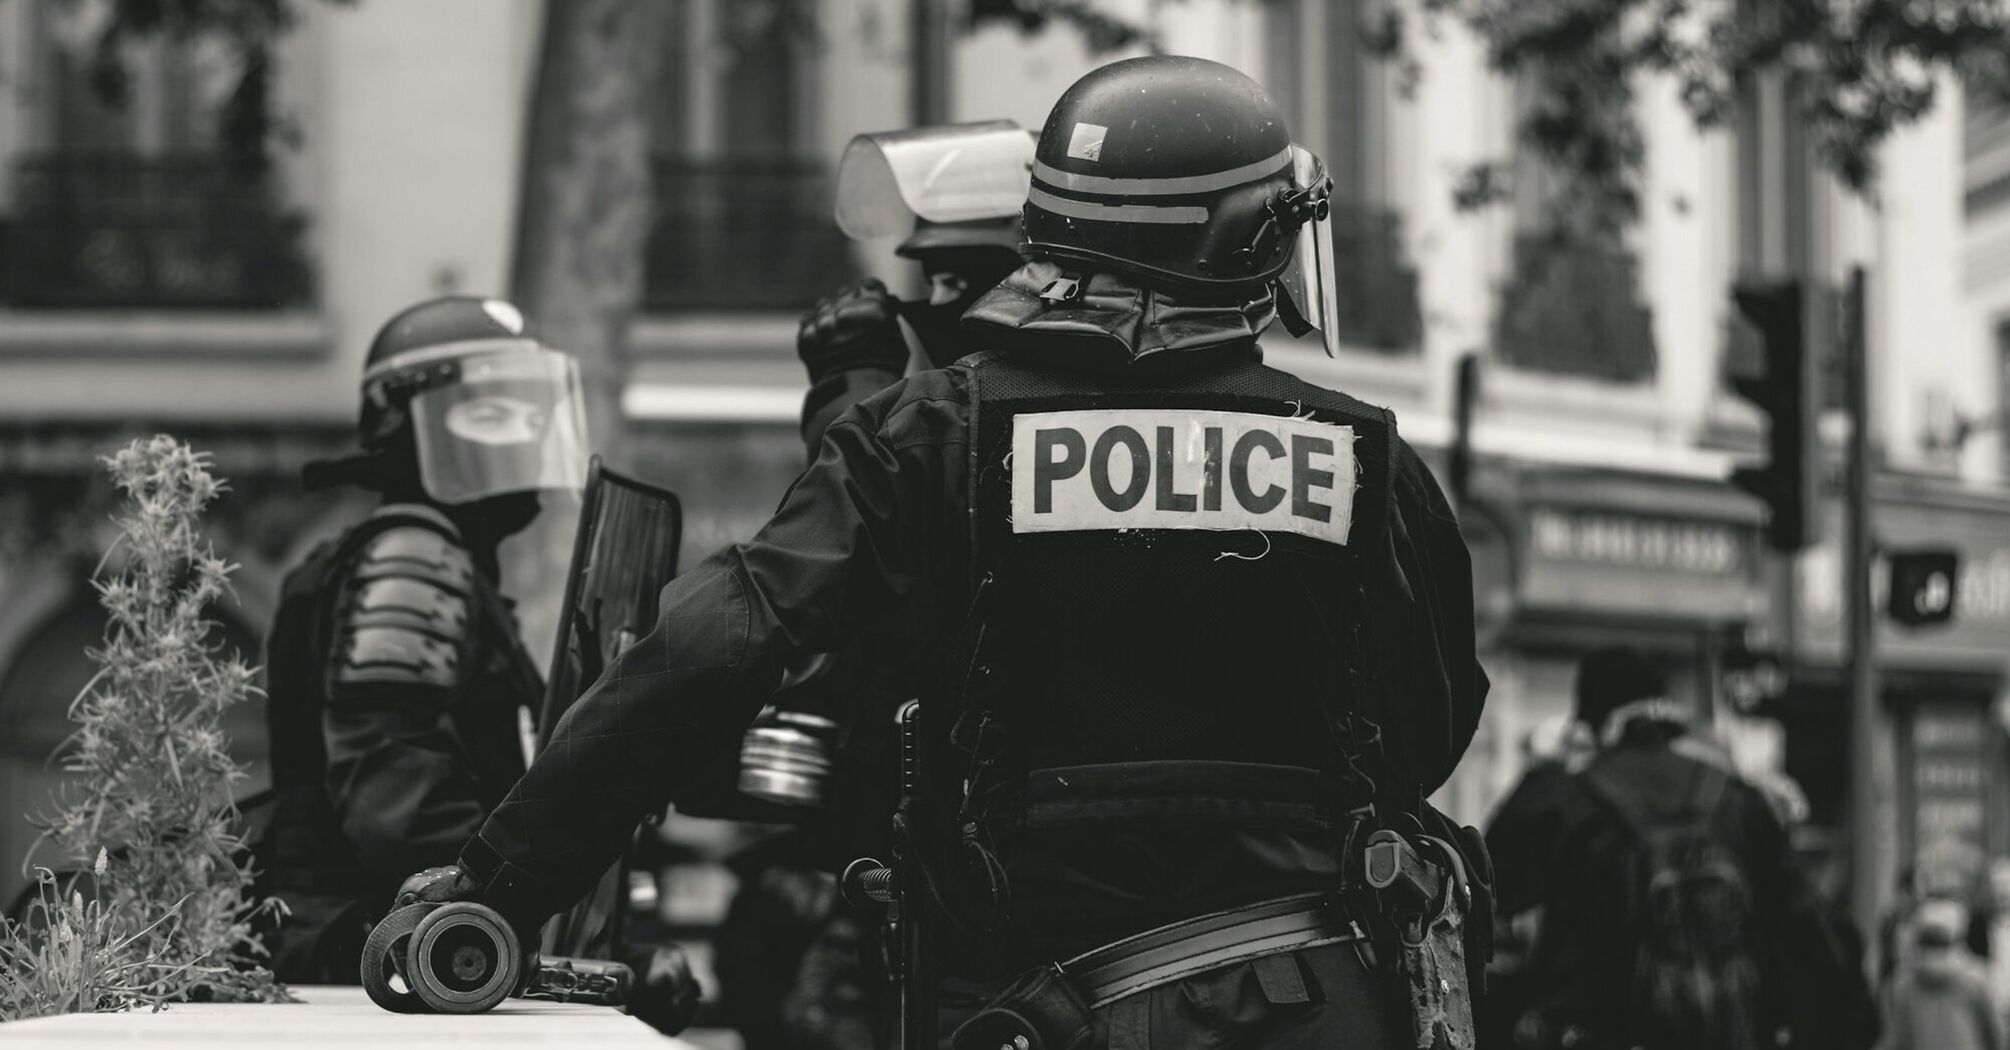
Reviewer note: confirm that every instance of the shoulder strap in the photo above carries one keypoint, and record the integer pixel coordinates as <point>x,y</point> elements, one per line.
<point>1709,786</point>
<point>1706,791</point>
<point>1612,790</point>
<point>402,609</point>
<point>391,515</point>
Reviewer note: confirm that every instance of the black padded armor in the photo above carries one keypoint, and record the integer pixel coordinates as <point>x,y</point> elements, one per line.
<point>1155,716</point>
<point>394,680</point>
<point>403,617</point>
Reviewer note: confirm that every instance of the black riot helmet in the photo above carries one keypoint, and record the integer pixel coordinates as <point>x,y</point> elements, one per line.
<point>422,341</point>
<point>1177,171</point>
<point>461,404</point>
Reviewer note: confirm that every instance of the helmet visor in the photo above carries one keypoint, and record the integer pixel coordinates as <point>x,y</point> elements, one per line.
<point>1309,299</point>
<point>944,173</point>
<point>513,422</point>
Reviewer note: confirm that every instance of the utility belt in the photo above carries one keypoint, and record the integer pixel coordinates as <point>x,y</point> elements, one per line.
<point>1423,893</point>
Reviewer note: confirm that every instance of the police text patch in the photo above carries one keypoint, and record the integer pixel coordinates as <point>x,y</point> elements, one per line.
<point>1169,468</point>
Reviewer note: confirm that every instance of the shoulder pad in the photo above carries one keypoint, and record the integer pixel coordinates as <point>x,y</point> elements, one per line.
<point>404,615</point>
<point>418,552</point>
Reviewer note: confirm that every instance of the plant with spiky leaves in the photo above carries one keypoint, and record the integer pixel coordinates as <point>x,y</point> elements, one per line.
<point>73,957</point>
<point>152,801</point>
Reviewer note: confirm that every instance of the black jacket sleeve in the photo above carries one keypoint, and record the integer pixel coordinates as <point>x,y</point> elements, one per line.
<point>834,395</point>
<point>843,557</point>
<point>1438,681</point>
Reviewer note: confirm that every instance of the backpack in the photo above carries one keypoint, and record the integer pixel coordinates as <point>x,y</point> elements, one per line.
<point>1695,981</point>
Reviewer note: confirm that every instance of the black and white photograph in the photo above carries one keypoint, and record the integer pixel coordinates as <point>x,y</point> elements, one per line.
<point>1005,524</point>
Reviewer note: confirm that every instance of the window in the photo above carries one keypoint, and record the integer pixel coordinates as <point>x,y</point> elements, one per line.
<point>743,196</point>
<point>1985,141</point>
<point>133,205</point>
<point>1571,303</point>
<point>1336,95</point>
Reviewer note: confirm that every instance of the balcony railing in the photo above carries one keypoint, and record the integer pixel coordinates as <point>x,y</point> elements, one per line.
<point>1376,289</point>
<point>126,232</point>
<point>1573,308</point>
<point>739,235</point>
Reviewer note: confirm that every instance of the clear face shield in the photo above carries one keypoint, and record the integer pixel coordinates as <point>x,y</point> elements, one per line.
<point>1307,301</point>
<point>514,421</point>
<point>946,173</point>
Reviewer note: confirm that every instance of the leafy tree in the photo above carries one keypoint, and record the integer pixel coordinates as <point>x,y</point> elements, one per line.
<point>247,126</point>
<point>1860,69</point>
<point>1100,30</point>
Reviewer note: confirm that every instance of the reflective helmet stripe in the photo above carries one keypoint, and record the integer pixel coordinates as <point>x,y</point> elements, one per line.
<point>1116,212</point>
<point>445,351</point>
<point>1168,185</point>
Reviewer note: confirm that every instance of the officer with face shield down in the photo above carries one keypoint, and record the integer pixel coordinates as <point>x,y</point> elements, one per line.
<point>396,675</point>
<point>953,194</point>
<point>1192,639</point>
<point>791,972</point>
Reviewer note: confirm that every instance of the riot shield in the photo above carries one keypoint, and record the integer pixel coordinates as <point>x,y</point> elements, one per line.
<point>623,554</point>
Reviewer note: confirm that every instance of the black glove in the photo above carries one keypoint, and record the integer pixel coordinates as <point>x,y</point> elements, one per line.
<point>665,996</point>
<point>855,328</point>
<point>439,886</point>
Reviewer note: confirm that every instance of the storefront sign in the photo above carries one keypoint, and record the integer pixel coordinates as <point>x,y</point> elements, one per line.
<point>1631,541</point>
<point>1647,564</point>
<point>1979,634</point>
<point>1950,783</point>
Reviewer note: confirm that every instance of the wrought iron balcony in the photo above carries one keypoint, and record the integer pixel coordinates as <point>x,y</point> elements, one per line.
<point>110,231</point>
<point>1376,290</point>
<point>741,235</point>
<point>1571,307</point>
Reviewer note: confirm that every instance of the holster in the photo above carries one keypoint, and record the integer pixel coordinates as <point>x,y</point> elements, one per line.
<point>1428,894</point>
<point>1042,1007</point>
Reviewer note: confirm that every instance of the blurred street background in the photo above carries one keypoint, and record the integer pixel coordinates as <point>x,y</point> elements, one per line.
<point>153,277</point>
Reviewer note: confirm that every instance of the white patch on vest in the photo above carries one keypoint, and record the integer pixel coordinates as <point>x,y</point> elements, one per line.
<point>1087,142</point>
<point>1182,469</point>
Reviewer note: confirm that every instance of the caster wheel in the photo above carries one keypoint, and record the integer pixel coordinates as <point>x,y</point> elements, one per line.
<point>384,954</point>
<point>464,959</point>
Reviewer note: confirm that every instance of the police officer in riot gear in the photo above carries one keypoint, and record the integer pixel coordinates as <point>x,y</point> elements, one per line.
<point>396,676</point>
<point>1192,638</point>
<point>791,973</point>
<point>953,193</point>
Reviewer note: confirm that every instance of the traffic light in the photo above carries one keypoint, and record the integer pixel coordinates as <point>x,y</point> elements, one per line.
<point>1785,392</point>
<point>1922,585</point>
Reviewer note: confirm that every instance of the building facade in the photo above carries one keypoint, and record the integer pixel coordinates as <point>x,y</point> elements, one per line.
<point>142,288</point>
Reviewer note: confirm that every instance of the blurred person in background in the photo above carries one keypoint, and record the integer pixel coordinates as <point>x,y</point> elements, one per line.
<point>1658,896</point>
<point>1940,997</point>
<point>790,957</point>
<point>396,676</point>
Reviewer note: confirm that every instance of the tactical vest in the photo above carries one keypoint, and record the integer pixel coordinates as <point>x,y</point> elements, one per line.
<point>304,851</point>
<point>1165,668</point>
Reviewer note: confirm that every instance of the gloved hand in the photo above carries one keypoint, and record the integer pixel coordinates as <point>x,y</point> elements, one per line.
<point>665,996</point>
<point>855,328</point>
<point>438,886</point>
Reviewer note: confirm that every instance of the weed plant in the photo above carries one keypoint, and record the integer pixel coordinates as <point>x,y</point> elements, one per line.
<point>151,811</point>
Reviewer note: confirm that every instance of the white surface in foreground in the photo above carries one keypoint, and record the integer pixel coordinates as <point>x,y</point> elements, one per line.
<point>329,1016</point>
